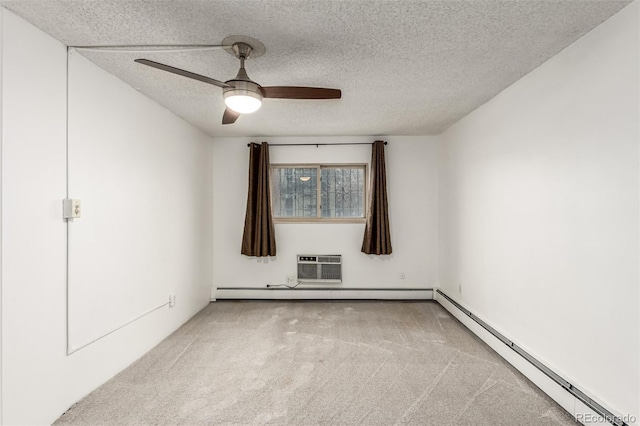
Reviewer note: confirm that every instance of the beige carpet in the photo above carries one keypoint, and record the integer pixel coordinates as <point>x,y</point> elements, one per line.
<point>309,363</point>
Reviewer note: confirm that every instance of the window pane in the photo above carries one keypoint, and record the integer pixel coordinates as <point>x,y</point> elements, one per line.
<point>342,192</point>
<point>294,192</point>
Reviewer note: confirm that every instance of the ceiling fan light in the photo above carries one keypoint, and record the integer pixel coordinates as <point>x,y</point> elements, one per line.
<point>244,98</point>
<point>242,103</point>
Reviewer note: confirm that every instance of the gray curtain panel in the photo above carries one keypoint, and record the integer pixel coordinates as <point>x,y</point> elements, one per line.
<point>259,236</point>
<point>377,238</point>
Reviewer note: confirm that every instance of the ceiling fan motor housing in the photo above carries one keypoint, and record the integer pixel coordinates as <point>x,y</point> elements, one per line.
<point>243,87</point>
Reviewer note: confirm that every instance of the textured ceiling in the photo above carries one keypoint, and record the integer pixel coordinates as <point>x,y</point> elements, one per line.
<point>404,67</point>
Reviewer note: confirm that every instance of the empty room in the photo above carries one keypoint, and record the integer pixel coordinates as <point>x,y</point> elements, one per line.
<point>336,212</point>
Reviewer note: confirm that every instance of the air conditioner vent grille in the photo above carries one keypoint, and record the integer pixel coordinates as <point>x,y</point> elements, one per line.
<point>331,272</point>
<point>307,271</point>
<point>329,259</point>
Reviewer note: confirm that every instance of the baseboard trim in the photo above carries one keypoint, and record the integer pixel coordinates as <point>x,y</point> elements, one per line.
<point>321,293</point>
<point>575,401</point>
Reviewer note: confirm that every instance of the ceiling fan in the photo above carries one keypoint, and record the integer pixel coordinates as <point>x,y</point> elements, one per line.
<point>241,94</point>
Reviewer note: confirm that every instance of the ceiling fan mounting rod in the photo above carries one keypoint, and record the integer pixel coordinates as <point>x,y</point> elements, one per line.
<point>242,52</point>
<point>242,73</point>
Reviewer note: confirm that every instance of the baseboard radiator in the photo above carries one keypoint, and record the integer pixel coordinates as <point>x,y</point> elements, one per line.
<point>321,293</point>
<point>565,384</point>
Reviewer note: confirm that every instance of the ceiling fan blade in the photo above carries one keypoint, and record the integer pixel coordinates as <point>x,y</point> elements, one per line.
<point>292,92</point>
<point>183,73</point>
<point>152,48</point>
<point>229,116</point>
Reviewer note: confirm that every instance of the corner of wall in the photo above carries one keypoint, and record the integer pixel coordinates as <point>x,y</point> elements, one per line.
<point>1,215</point>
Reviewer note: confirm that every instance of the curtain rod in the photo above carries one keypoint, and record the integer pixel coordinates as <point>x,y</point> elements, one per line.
<point>317,144</point>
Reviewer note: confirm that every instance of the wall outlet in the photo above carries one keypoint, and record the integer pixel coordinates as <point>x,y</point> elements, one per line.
<point>402,276</point>
<point>172,300</point>
<point>291,279</point>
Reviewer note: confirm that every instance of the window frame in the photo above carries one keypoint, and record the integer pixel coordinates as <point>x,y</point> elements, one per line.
<point>319,167</point>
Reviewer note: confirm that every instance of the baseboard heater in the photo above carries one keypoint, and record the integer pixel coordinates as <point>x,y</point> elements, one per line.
<point>577,393</point>
<point>322,293</point>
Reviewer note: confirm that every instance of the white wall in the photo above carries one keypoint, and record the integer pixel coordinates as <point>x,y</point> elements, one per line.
<point>109,121</point>
<point>539,215</point>
<point>412,186</point>
<point>146,194</point>
<point>33,240</point>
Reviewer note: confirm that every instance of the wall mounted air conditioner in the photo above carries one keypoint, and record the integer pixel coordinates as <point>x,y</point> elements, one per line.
<point>319,268</point>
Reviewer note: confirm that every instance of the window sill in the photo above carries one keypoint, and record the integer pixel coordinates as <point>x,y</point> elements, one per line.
<point>278,220</point>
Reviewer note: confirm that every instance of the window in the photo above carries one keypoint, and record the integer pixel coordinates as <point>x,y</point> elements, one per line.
<point>314,192</point>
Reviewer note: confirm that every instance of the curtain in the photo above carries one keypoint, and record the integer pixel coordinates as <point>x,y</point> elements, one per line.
<point>259,237</point>
<point>377,238</point>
